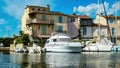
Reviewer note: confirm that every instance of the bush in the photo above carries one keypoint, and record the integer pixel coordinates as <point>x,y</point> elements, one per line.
<point>6,41</point>
<point>24,38</point>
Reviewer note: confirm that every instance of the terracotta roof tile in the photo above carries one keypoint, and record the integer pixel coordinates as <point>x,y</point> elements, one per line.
<point>80,16</point>
<point>50,13</point>
<point>96,24</point>
<point>111,17</point>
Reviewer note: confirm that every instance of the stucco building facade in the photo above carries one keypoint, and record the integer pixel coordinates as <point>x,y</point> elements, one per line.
<point>40,22</point>
<point>114,24</point>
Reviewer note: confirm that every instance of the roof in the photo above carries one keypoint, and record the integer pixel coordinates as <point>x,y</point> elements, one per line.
<point>84,17</point>
<point>111,17</point>
<point>96,24</point>
<point>80,16</point>
<point>34,6</point>
<point>50,13</point>
<point>73,16</point>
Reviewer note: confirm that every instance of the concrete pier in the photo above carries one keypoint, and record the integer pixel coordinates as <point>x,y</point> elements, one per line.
<point>4,48</point>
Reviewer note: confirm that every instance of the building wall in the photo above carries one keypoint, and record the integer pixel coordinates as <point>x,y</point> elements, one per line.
<point>117,31</point>
<point>113,24</point>
<point>100,19</point>
<point>103,31</point>
<point>73,27</point>
<point>36,23</point>
<point>55,18</point>
<point>25,28</point>
<point>38,9</point>
<point>88,33</point>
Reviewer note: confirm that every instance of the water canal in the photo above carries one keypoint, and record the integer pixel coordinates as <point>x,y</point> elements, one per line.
<point>60,60</point>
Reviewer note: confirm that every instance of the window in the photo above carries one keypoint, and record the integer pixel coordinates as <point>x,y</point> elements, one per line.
<point>43,9</point>
<point>72,20</point>
<point>111,20</point>
<point>113,40</point>
<point>60,28</point>
<point>60,19</point>
<point>84,31</point>
<point>54,40</point>
<point>113,31</point>
<point>38,9</point>
<point>33,9</point>
<point>65,39</point>
<point>43,17</point>
<point>47,41</point>
<point>86,22</point>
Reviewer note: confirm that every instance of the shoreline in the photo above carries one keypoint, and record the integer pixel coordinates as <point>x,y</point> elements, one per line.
<point>4,48</point>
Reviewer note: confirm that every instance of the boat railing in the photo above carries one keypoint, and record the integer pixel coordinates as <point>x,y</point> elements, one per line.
<point>59,33</point>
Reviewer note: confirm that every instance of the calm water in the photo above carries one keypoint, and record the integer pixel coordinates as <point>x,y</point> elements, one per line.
<point>61,60</point>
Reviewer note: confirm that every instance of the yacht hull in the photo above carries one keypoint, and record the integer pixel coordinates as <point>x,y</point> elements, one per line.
<point>100,48</point>
<point>63,49</point>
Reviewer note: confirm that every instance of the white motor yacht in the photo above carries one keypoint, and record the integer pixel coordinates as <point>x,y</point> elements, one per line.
<point>61,43</point>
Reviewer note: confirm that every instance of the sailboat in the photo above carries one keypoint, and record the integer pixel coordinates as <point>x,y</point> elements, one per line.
<point>103,44</point>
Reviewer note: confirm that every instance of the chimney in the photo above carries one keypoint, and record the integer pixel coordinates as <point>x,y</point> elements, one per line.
<point>101,14</point>
<point>48,6</point>
<point>74,13</point>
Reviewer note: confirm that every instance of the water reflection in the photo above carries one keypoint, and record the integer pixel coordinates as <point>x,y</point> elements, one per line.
<point>61,60</point>
<point>104,60</point>
<point>67,60</point>
<point>26,60</point>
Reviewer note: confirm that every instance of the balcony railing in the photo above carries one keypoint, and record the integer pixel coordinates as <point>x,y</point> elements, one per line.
<point>40,21</point>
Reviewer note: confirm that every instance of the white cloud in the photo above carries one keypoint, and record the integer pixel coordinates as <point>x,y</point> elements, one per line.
<point>115,7</point>
<point>95,8</point>
<point>15,8</point>
<point>2,21</point>
<point>88,9</point>
<point>100,8</point>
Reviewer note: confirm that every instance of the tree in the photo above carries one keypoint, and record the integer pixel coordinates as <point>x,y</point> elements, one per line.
<point>6,41</point>
<point>79,30</point>
<point>23,38</point>
<point>21,33</point>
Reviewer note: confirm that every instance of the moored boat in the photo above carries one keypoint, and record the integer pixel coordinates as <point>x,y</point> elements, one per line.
<point>61,43</point>
<point>103,45</point>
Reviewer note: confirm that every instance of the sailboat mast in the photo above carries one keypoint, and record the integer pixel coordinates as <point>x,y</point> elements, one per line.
<point>108,27</point>
<point>116,18</point>
<point>99,31</point>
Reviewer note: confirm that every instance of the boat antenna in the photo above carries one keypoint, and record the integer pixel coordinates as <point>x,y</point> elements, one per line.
<point>108,27</point>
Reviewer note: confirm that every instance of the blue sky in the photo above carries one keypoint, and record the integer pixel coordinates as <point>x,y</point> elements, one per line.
<point>12,10</point>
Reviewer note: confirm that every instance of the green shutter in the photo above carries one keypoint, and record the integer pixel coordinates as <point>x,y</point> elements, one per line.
<point>44,17</point>
<point>43,29</point>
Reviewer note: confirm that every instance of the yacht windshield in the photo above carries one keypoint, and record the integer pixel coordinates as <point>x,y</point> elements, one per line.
<point>65,39</point>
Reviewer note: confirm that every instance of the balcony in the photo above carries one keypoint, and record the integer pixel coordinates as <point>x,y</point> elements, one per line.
<point>40,21</point>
